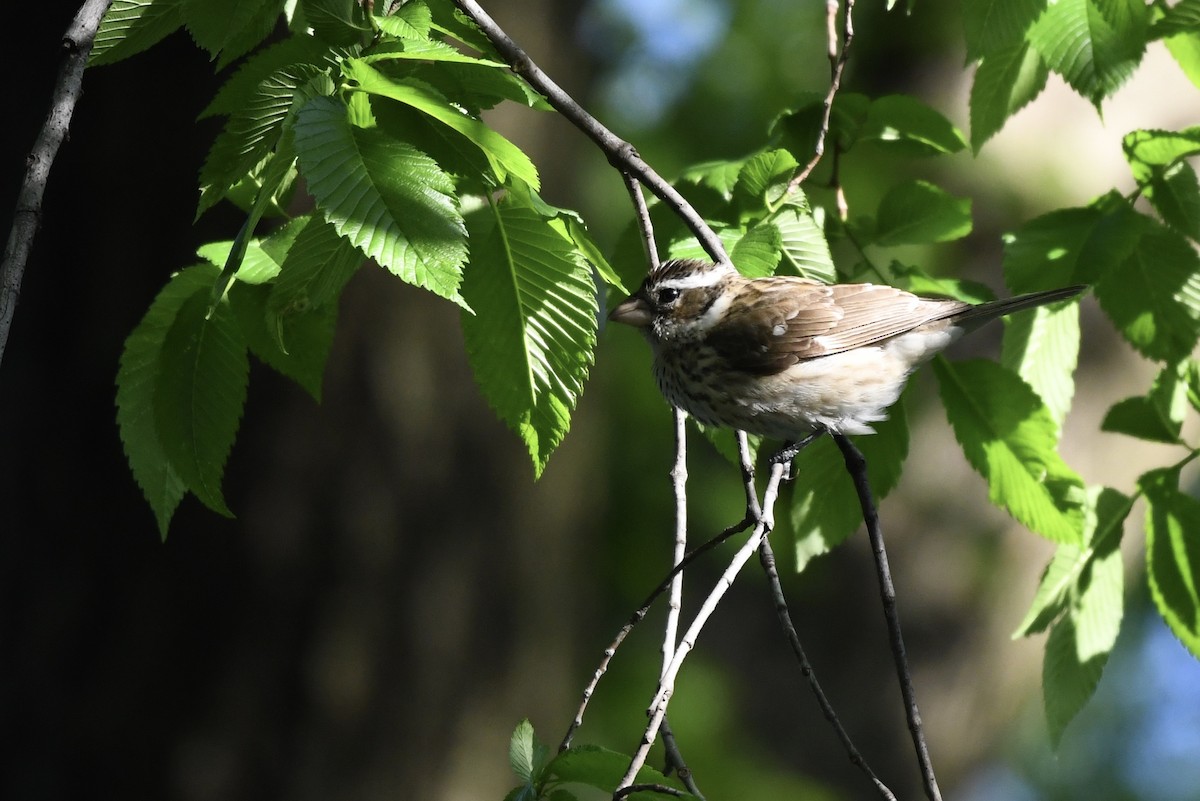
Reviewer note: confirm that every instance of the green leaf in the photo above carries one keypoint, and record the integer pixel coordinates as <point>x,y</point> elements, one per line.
<point>587,247</point>
<point>911,127</point>
<point>263,256</point>
<point>1006,81</point>
<point>917,212</point>
<point>503,156</point>
<point>798,129</point>
<point>316,268</point>
<point>1008,435</point>
<point>1071,246</point>
<point>1173,554</point>
<point>200,391</point>
<point>423,50</point>
<point>720,176</point>
<point>992,26</point>
<point>764,178</point>
<point>230,28</point>
<point>242,87</point>
<point>338,22</point>
<point>919,282</point>
<point>392,201</point>
<point>1175,195</point>
<point>413,20</point>
<point>1093,44</point>
<point>1153,298</point>
<point>1152,152</point>
<point>1182,17</point>
<point>1043,349</point>
<point>309,336</point>
<point>825,508</point>
<point>251,133</point>
<point>137,378</point>
<point>1158,416</point>
<point>1185,49</point>
<point>603,769</point>
<point>526,755</point>
<point>804,247</point>
<point>1067,681</point>
<point>1104,520</point>
<point>131,26</point>
<point>530,343</point>
<point>757,253</point>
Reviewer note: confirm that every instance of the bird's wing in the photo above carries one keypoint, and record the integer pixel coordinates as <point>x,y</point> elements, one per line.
<point>775,323</point>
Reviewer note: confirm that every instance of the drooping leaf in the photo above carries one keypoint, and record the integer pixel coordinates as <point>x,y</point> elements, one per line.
<point>757,253</point>
<point>992,26</point>
<point>530,342</point>
<point>1153,296</point>
<point>136,382</point>
<point>243,86</point>
<point>1093,44</point>
<point>804,247</point>
<point>526,755</point>
<point>911,127</point>
<point>1175,195</point>
<point>825,507</point>
<point>1067,681</point>
<point>263,256</point>
<point>309,335</point>
<point>1173,554</point>
<point>413,20</point>
<point>338,22</point>
<point>1009,436</point>
<point>313,274</point>
<point>1104,521</point>
<point>763,179</point>
<point>1071,246</point>
<point>1006,81</point>
<point>503,156</point>
<point>199,394</point>
<point>1185,49</point>
<point>131,26</point>
<point>392,201</point>
<point>251,133</point>
<point>917,212</point>
<point>228,29</point>
<point>1043,349</point>
<point>1157,416</point>
<point>1151,152</point>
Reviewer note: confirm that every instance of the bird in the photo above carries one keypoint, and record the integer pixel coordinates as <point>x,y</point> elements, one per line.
<point>792,358</point>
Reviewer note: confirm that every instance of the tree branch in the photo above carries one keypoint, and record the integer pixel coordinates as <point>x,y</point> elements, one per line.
<point>856,465</point>
<point>658,706</point>
<point>77,42</point>
<point>621,154</point>
<point>837,65</point>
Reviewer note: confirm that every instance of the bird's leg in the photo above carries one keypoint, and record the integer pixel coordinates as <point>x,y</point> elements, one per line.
<point>790,450</point>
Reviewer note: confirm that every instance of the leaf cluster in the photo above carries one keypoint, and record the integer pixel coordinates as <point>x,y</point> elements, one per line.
<point>380,116</point>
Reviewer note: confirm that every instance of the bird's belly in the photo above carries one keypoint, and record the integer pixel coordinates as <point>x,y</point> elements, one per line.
<point>844,393</point>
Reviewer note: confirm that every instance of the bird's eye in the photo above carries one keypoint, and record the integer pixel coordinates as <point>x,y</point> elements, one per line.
<point>668,295</point>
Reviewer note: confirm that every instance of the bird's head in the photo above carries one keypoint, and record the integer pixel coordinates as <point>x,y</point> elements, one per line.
<point>680,300</point>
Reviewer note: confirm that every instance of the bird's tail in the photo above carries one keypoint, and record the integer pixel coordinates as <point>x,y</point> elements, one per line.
<point>984,312</point>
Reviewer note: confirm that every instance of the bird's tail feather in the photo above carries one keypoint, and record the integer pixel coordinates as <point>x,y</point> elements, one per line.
<point>977,315</point>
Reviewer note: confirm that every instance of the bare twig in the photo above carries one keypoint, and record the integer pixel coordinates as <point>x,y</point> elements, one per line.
<point>621,154</point>
<point>856,465</point>
<point>640,615</point>
<point>767,557</point>
<point>658,707</point>
<point>77,44</point>
<point>837,65</point>
<point>624,792</point>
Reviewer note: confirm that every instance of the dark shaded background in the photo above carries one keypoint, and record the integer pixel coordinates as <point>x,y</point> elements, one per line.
<point>396,592</point>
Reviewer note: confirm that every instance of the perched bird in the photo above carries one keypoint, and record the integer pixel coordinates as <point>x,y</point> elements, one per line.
<point>789,357</point>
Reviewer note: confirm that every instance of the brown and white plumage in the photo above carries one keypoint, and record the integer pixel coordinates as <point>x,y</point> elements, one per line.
<point>785,356</point>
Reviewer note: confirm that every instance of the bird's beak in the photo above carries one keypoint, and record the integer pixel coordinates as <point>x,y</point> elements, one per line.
<point>634,310</point>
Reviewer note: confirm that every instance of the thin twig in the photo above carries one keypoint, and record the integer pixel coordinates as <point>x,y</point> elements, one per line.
<point>640,615</point>
<point>621,154</point>
<point>856,465</point>
<point>837,65</point>
<point>647,788</point>
<point>767,557</point>
<point>77,43</point>
<point>658,707</point>
<point>641,213</point>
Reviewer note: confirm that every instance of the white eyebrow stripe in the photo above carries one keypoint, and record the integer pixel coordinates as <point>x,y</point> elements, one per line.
<point>696,280</point>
